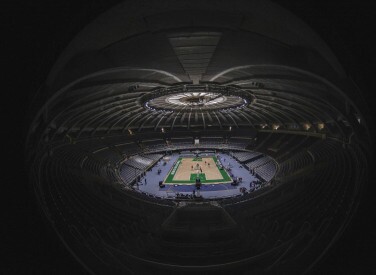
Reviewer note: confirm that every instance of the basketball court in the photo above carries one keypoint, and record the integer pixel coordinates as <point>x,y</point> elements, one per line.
<point>187,169</point>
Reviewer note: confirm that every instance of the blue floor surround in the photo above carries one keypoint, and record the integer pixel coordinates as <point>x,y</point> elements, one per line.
<point>207,191</point>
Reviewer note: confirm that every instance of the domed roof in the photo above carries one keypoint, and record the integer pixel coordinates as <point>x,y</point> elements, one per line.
<point>156,34</point>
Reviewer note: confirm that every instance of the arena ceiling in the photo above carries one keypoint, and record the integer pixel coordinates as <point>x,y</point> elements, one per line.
<point>266,75</point>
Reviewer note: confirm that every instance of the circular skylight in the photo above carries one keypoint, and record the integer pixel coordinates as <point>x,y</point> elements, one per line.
<point>189,97</point>
<point>196,99</point>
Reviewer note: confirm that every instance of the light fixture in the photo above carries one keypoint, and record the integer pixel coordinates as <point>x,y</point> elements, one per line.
<point>307,126</point>
<point>275,126</point>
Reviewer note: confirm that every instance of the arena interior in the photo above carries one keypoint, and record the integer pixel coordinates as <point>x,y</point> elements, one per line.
<point>182,137</point>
